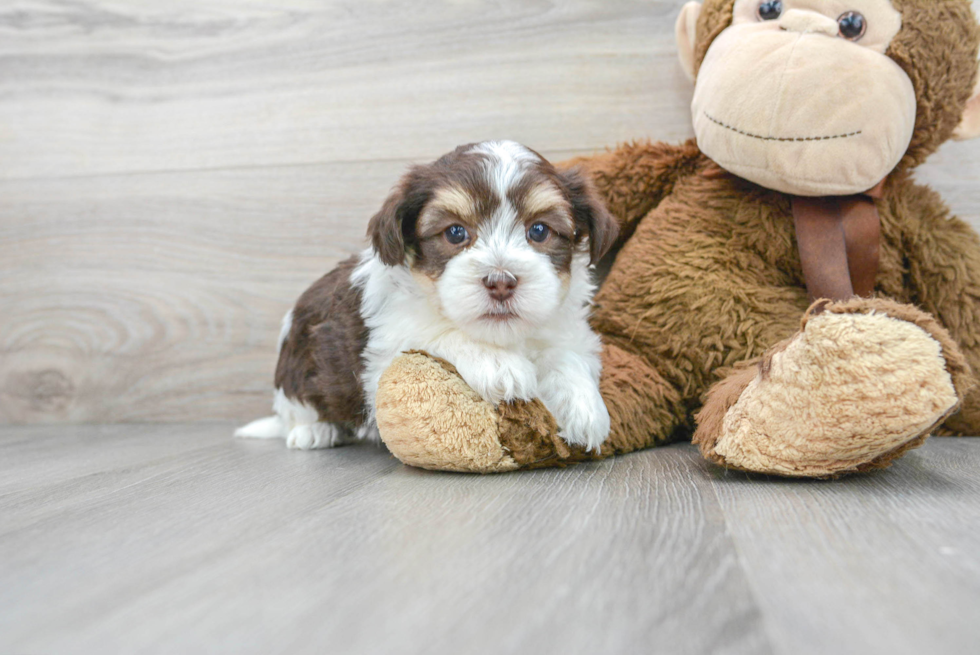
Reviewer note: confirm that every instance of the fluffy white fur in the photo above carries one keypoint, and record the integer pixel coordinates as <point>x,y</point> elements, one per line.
<point>545,350</point>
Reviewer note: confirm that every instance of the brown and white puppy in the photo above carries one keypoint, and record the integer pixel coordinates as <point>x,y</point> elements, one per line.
<point>481,258</point>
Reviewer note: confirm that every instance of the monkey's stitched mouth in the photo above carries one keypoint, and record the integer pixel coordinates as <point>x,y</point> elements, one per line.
<point>777,138</point>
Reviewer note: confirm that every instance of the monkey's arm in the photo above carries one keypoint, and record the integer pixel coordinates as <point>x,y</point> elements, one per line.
<point>944,274</point>
<point>635,177</point>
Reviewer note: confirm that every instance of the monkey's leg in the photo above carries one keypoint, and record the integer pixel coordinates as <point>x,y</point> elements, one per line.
<point>644,409</point>
<point>944,273</point>
<point>861,383</point>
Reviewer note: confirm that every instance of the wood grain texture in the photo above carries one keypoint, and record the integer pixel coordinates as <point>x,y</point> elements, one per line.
<point>885,563</point>
<point>180,539</point>
<point>216,84</point>
<point>173,175</point>
<point>163,539</point>
<point>162,300</point>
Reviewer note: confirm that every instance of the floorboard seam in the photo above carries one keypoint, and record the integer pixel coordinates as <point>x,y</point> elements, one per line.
<point>750,584</point>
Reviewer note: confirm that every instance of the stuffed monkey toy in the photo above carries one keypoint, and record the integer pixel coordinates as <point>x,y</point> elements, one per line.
<point>783,291</point>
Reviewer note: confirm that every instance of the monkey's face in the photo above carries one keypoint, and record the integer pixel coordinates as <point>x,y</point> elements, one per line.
<point>799,96</point>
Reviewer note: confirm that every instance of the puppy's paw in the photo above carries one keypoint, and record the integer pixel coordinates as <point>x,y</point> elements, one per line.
<point>503,378</point>
<point>316,435</point>
<point>582,417</point>
<point>368,432</point>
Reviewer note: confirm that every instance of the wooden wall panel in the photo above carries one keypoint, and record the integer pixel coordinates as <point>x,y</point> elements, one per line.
<point>172,175</point>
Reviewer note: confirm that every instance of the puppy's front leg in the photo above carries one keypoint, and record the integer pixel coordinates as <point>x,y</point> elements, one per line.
<point>569,388</point>
<point>496,374</point>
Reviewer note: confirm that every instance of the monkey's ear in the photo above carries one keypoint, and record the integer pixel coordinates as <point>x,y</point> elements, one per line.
<point>389,228</point>
<point>590,213</point>
<point>970,127</point>
<point>686,31</point>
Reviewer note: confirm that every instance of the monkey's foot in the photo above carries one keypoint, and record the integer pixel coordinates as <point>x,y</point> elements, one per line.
<point>430,418</point>
<point>862,382</point>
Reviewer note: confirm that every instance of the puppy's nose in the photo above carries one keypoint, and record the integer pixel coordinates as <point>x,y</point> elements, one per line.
<point>501,287</point>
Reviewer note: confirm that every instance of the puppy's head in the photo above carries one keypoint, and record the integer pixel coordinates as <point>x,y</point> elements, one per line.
<point>494,234</point>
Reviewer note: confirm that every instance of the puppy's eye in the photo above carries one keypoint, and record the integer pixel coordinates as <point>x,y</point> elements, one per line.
<point>538,233</point>
<point>770,9</point>
<point>852,25</point>
<point>456,234</point>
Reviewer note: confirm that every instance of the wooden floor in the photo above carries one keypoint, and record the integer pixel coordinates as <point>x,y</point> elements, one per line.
<point>179,539</point>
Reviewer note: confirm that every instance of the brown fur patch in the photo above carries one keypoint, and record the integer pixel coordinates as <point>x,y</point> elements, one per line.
<point>538,198</point>
<point>631,180</point>
<point>644,408</point>
<point>393,230</point>
<point>937,48</point>
<point>434,251</point>
<point>573,211</point>
<point>454,200</point>
<point>589,213</point>
<point>320,361</point>
<point>529,434</point>
<point>719,400</point>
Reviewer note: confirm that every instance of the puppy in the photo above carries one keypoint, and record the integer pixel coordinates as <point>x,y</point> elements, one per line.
<point>481,258</point>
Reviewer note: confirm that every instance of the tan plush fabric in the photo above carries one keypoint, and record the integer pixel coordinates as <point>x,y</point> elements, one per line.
<point>969,127</point>
<point>431,419</point>
<point>844,139</point>
<point>848,389</point>
<point>942,86</point>
<point>685,31</point>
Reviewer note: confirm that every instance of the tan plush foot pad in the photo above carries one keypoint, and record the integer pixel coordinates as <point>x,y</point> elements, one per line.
<point>860,384</point>
<point>430,418</point>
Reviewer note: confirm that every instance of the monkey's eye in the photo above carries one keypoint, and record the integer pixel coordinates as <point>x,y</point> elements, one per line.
<point>852,25</point>
<point>538,233</point>
<point>456,234</point>
<point>771,9</point>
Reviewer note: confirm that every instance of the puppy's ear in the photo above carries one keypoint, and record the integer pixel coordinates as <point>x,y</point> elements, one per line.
<point>590,213</point>
<point>392,228</point>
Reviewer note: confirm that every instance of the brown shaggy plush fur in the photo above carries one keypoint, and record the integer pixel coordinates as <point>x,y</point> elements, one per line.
<point>712,278</point>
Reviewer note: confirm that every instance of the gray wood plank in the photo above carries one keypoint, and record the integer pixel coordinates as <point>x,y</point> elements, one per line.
<point>40,456</point>
<point>108,86</point>
<point>135,298</point>
<point>243,546</point>
<point>888,562</point>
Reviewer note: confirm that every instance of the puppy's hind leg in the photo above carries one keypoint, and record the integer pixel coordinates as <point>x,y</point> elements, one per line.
<point>313,436</point>
<point>270,427</point>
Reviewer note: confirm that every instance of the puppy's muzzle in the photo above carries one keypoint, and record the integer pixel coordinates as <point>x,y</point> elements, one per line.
<point>500,285</point>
